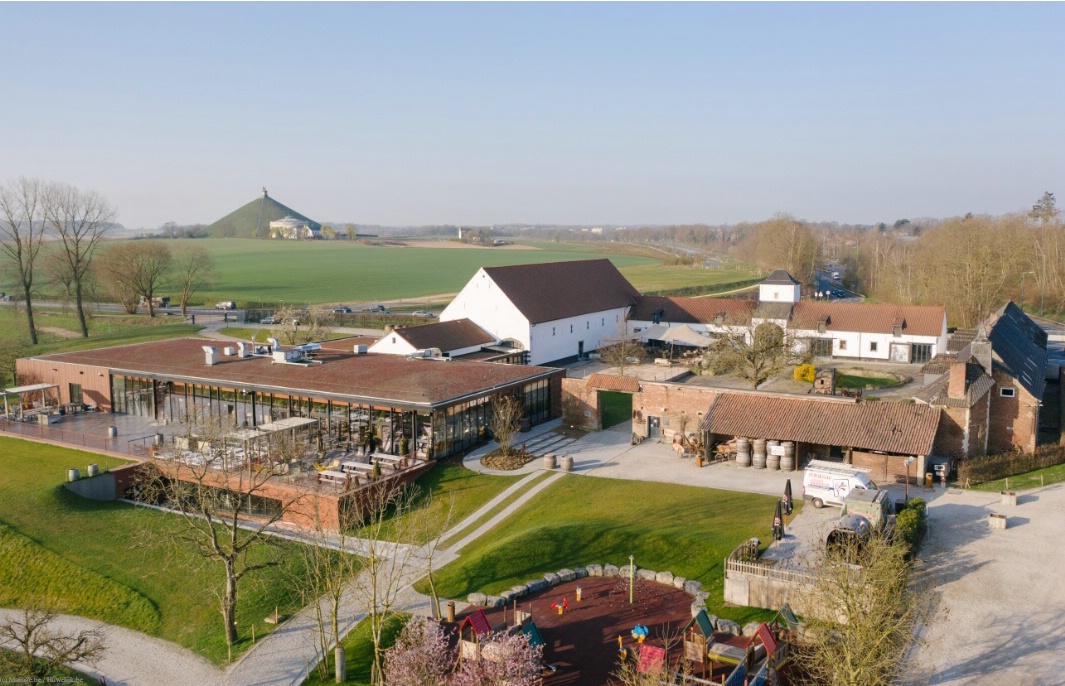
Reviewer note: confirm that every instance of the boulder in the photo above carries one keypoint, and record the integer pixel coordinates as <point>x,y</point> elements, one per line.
<point>551,578</point>
<point>701,596</point>
<point>697,607</point>
<point>624,571</point>
<point>519,591</point>
<point>751,628</point>
<point>713,620</point>
<point>580,572</point>
<point>508,596</point>
<point>565,575</point>
<point>610,570</point>
<point>478,599</point>
<point>536,585</point>
<point>664,578</point>
<point>595,570</point>
<point>494,601</point>
<point>678,583</point>
<point>727,626</point>
<point>646,574</point>
<point>693,587</point>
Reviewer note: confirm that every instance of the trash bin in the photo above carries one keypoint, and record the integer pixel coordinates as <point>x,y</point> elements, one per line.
<point>112,431</point>
<point>929,479</point>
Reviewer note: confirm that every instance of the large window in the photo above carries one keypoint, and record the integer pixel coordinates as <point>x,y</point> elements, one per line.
<point>921,353</point>
<point>537,400</point>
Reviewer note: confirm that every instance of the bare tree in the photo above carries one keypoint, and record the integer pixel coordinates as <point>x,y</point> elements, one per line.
<point>39,650</point>
<point>622,351</point>
<point>213,491</point>
<point>506,413</point>
<point>11,349</point>
<point>136,271</point>
<point>861,616</point>
<point>193,268</point>
<point>756,351</point>
<point>351,231</point>
<point>328,570</point>
<point>79,219</point>
<point>296,326</point>
<point>22,230</point>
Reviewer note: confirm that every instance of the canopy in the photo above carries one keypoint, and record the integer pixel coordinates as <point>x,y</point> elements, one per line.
<point>287,423</point>
<point>682,334</point>
<point>18,390</point>
<point>655,332</point>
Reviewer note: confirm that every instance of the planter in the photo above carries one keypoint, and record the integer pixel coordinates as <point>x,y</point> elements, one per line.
<point>549,461</point>
<point>1009,498</point>
<point>996,521</point>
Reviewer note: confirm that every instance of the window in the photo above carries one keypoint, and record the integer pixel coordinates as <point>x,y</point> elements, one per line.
<point>821,347</point>
<point>843,345</point>
<point>75,394</point>
<point>872,346</point>
<point>602,321</point>
<point>920,353</point>
<point>1007,392</point>
<point>571,328</point>
<point>393,340</point>
<point>587,325</point>
<point>552,331</point>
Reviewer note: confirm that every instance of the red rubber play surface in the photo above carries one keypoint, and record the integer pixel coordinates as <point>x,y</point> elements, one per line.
<point>583,642</point>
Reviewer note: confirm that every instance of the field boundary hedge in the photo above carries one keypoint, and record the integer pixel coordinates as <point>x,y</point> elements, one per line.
<point>978,470</point>
<point>707,289</point>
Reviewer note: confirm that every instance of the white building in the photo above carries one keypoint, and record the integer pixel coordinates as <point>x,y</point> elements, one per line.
<point>293,228</point>
<point>452,338</point>
<point>779,287</point>
<point>557,311</point>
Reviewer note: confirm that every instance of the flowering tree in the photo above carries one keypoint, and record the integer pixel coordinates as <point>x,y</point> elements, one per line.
<point>420,656</point>
<point>505,659</point>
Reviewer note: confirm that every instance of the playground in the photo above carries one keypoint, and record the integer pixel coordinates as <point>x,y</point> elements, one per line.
<point>581,642</point>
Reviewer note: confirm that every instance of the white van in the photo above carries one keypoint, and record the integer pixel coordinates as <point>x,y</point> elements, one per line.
<point>830,482</point>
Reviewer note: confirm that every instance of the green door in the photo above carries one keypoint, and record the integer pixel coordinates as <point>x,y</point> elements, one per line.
<point>614,408</point>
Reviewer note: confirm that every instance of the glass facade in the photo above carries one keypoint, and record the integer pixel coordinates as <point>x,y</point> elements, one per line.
<point>437,433</point>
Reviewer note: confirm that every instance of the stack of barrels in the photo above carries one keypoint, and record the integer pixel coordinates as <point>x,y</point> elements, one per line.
<point>772,458</point>
<point>758,458</point>
<point>787,461</point>
<point>743,452</point>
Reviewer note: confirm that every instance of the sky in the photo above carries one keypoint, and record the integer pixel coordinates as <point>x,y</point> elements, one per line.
<point>557,113</point>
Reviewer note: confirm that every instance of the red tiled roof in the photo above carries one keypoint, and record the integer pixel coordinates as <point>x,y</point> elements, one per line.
<point>692,310</point>
<point>556,290</point>
<point>363,378</point>
<point>449,335</point>
<point>919,320</point>
<point>610,382</point>
<point>893,427</point>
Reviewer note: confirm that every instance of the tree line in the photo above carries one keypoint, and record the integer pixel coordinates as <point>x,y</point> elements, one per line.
<point>51,235</point>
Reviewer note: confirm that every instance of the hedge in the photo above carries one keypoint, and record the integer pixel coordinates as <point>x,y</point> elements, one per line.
<point>977,470</point>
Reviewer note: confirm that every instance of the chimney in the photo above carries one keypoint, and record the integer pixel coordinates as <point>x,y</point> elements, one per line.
<point>956,385</point>
<point>981,349</point>
<point>210,355</point>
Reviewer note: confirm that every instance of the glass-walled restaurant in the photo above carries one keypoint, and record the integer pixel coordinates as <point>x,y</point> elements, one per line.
<point>429,433</point>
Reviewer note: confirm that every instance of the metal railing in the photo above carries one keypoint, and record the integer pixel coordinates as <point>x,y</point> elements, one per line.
<point>134,448</point>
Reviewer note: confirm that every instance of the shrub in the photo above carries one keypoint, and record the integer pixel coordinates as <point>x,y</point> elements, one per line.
<point>907,526</point>
<point>977,470</point>
<point>805,372</point>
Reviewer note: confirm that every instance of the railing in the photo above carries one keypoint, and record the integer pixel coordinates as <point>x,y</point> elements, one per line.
<point>765,571</point>
<point>74,438</point>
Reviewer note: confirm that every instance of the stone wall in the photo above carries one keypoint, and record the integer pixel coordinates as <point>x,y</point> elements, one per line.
<point>580,405</point>
<point>1013,422</point>
<point>674,404</point>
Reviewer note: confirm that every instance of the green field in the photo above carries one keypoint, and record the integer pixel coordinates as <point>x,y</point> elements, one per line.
<point>116,562</point>
<point>583,520</point>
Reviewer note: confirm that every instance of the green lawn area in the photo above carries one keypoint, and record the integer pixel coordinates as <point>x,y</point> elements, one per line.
<point>358,652</point>
<point>58,676</point>
<point>616,408</point>
<point>461,490</point>
<point>459,535</point>
<point>855,381</point>
<point>583,520</point>
<point>255,335</point>
<point>657,277</point>
<point>1020,482</point>
<point>86,555</point>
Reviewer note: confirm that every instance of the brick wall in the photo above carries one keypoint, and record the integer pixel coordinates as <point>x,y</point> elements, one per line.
<point>1014,422</point>
<point>690,402</point>
<point>884,469</point>
<point>580,404</point>
<point>950,434</point>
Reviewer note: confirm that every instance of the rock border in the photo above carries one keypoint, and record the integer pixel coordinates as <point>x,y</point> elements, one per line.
<point>565,575</point>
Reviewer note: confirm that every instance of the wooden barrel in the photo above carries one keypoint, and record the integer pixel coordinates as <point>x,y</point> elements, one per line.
<point>787,461</point>
<point>566,463</point>
<point>743,452</point>
<point>758,458</point>
<point>549,461</point>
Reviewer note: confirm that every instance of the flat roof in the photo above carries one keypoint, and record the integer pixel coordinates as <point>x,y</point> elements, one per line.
<point>366,379</point>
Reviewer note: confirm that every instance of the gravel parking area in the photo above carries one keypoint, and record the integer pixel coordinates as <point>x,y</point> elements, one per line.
<point>996,600</point>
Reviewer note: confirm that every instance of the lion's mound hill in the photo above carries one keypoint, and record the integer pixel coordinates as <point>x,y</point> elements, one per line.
<point>253,220</point>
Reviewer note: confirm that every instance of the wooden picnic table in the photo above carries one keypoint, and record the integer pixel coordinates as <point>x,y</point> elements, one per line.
<point>333,475</point>
<point>356,467</point>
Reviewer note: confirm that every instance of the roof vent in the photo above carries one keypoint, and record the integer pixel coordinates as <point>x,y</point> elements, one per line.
<point>210,355</point>
<point>242,349</point>
<point>360,349</point>
<point>229,351</point>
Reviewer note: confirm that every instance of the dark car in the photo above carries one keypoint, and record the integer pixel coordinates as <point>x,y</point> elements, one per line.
<point>342,310</point>
<point>839,294</point>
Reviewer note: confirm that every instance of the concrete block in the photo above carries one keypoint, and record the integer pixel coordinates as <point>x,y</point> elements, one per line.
<point>997,521</point>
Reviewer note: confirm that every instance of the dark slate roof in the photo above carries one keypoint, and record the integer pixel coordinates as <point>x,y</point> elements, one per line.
<point>679,310</point>
<point>781,277</point>
<point>892,427</point>
<point>1019,346</point>
<point>960,339</point>
<point>450,335</point>
<point>977,384</point>
<point>369,378</point>
<point>556,290</point>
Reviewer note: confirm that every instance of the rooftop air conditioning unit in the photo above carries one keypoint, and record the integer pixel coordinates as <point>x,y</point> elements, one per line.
<point>229,351</point>
<point>360,349</point>
<point>242,350</point>
<point>210,355</point>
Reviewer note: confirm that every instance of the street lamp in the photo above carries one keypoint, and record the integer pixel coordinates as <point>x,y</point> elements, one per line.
<point>1024,274</point>
<point>908,461</point>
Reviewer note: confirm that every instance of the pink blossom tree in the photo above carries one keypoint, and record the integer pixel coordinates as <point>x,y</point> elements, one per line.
<point>505,659</point>
<point>420,656</point>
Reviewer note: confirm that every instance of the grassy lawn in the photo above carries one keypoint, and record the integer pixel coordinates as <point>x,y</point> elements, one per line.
<point>255,335</point>
<point>459,535</point>
<point>454,487</point>
<point>583,520</point>
<point>62,675</point>
<point>358,652</point>
<point>86,555</point>
<point>616,408</point>
<point>854,381</point>
<point>1021,482</point>
<point>656,277</point>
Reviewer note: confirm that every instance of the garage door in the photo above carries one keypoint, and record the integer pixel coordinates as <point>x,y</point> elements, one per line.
<point>615,408</point>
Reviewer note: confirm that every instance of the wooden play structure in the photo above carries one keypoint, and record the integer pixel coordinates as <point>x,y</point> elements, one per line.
<point>476,627</point>
<point>765,652</point>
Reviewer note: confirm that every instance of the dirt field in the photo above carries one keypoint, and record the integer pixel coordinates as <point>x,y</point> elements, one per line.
<point>583,642</point>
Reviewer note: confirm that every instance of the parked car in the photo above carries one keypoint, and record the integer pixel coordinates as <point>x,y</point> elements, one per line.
<point>226,305</point>
<point>840,294</point>
<point>267,320</point>
<point>830,482</point>
<point>343,309</point>
<point>423,313</point>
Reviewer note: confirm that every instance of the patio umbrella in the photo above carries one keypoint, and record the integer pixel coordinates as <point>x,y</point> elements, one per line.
<point>778,524</point>
<point>788,504</point>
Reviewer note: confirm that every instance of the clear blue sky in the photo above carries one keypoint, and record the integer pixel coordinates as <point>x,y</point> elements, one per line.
<point>557,113</point>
